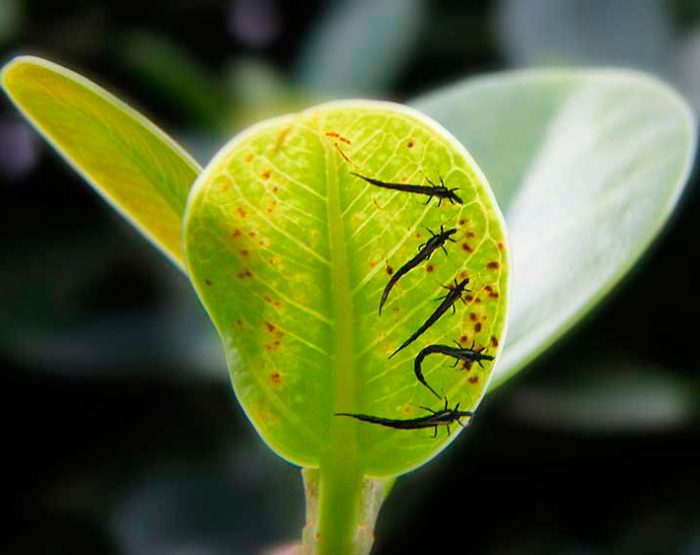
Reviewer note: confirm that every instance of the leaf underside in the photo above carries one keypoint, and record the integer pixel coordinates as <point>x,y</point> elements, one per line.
<point>290,253</point>
<point>587,166</point>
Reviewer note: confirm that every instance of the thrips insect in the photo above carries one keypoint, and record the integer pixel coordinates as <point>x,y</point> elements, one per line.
<point>448,301</point>
<point>433,190</point>
<point>443,417</point>
<point>459,353</point>
<point>425,251</point>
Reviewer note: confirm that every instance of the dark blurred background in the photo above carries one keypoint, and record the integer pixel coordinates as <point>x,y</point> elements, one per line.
<point>121,430</point>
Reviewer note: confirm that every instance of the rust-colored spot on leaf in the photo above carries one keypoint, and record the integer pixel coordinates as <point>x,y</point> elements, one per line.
<point>273,260</point>
<point>249,157</point>
<point>276,378</point>
<point>244,253</point>
<point>470,234</point>
<point>389,270</point>
<point>473,379</point>
<point>477,327</point>
<point>252,233</point>
<point>372,263</point>
<point>236,233</point>
<point>494,341</point>
<point>410,144</point>
<point>271,206</point>
<point>244,273</point>
<point>240,323</point>
<point>463,274</point>
<point>430,268</point>
<point>265,174</point>
<point>462,221</point>
<point>418,235</point>
<point>241,211</point>
<point>473,317</point>
<point>501,246</point>
<point>336,135</point>
<point>463,340</point>
<point>207,281</point>
<point>493,265</point>
<point>469,298</point>
<point>466,247</point>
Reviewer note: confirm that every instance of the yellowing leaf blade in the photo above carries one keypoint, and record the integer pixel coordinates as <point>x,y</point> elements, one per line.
<point>133,164</point>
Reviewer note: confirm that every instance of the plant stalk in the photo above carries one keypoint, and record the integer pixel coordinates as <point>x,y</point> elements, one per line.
<point>342,507</point>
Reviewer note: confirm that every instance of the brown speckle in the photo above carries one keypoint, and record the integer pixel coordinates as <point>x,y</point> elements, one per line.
<point>462,221</point>
<point>270,327</point>
<point>473,317</point>
<point>473,379</point>
<point>410,144</point>
<point>494,341</point>
<point>389,270</point>
<point>245,273</point>
<point>477,300</point>
<point>493,265</point>
<point>244,253</point>
<point>477,327</point>
<point>463,274</point>
<point>372,263</point>
<point>240,323</point>
<point>241,211</point>
<point>236,233</point>
<point>464,339</point>
<point>470,234</point>
<point>252,233</point>
<point>418,235</point>
<point>430,268</point>
<point>265,174</point>
<point>276,378</point>
<point>249,157</point>
<point>466,247</point>
<point>340,151</point>
<point>271,207</point>
<point>207,281</point>
<point>273,260</point>
<point>501,246</point>
<point>469,298</point>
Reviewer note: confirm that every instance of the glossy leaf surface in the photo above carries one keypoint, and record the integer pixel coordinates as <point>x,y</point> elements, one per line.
<point>587,166</point>
<point>134,165</point>
<point>290,253</point>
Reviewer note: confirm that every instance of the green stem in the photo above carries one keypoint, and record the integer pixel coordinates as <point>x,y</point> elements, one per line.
<point>341,510</point>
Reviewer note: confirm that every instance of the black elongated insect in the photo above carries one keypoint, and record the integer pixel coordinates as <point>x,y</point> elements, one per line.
<point>448,301</point>
<point>425,251</point>
<point>443,417</point>
<point>441,191</point>
<point>459,353</point>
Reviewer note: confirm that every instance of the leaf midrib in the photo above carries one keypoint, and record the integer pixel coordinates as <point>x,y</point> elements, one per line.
<point>341,435</point>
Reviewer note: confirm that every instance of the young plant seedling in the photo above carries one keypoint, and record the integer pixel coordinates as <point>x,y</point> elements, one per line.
<point>288,256</point>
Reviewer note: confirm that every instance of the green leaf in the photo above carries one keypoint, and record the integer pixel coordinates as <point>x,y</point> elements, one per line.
<point>587,167</point>
<point>290,253</point>
<point>134,165</point>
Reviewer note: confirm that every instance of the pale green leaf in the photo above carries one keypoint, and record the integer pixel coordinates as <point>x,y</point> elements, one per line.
<point>134,165</point>
<point>290,253</point>
<point>587,166</point>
